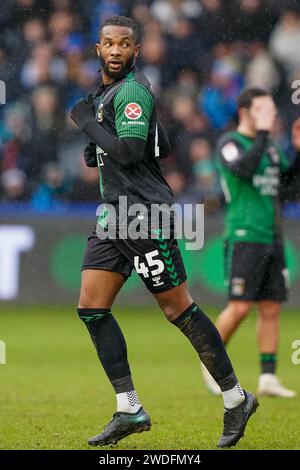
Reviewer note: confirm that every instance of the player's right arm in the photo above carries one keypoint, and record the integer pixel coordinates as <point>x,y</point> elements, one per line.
<point>233,156</point>
<point>90,155</point>
<point>133,105</point>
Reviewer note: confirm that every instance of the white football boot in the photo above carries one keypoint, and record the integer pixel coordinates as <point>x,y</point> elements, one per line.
<point>210,382</point>
<point>269,385</point>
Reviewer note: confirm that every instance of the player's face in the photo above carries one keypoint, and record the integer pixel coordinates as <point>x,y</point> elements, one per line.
<point>248,116</point>
<point>117,51</point>
<point>260,102</point>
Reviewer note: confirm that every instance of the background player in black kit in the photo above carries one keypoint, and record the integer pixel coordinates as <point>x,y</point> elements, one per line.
<point>125,142</point>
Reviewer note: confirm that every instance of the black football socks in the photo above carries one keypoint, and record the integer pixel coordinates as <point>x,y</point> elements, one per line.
<point>111,348</point>
<point>206,340</point>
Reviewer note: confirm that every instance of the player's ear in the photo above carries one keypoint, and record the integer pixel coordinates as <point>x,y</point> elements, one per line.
<point>242,113</point>
<point>136,50</point>
<point>98,49</point>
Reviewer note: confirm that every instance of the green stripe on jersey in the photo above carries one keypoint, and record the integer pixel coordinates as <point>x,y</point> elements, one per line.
<point>133,105</point>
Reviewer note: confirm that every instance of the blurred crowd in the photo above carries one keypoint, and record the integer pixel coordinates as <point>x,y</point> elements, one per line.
<point>198,56</point>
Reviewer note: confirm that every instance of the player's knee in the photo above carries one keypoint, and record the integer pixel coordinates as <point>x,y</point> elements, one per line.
<point>240,310</point>
<point>174,302</point>
<point>86,300</point>
<point>173,307</point>
<point>168,308</point>
<point>171,314</point>
<point>269,310</point>
<point>172,310</point>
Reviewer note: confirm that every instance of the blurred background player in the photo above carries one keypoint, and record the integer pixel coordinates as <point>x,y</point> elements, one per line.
<point>252,166</point>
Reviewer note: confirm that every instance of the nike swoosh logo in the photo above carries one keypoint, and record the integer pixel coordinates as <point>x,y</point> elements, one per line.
<point>248,406</point>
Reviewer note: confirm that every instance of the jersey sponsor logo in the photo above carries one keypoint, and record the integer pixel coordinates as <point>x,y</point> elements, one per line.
<point>230,152</point>
<point>267,183</point>
<point>133,111</point>
<point>139,123</point>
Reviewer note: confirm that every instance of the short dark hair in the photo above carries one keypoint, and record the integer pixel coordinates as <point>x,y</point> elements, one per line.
<point>246,97</point>
<point>122,21</point>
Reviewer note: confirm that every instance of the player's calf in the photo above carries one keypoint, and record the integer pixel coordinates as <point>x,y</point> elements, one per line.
<point>111,348</point>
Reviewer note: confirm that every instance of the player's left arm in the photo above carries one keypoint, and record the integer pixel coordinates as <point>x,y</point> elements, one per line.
<point>133,108</point>
<point>134,105</point>
<point>291,172</point>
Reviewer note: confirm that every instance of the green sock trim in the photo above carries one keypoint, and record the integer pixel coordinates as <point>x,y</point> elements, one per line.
<point>88,318</point>
<point>267,357</point>
<point>87,315</point>
<point>189,312</point>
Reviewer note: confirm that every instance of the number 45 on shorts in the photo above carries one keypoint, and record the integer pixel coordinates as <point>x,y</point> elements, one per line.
<point>157,264</point>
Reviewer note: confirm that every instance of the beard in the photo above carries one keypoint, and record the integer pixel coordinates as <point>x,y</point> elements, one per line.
<point>117,74</point>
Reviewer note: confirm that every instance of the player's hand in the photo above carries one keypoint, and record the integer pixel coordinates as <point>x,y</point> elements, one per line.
<point>296,134</point>
<point>90,101</point>
<point>90,156</point>
<point>264,114</point>
<point>82,113</point>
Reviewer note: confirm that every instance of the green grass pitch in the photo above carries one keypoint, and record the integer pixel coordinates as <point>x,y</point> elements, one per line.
<point>54,394</point>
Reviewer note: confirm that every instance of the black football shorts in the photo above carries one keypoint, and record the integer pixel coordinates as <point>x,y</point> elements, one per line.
<point>157,261</point>
<point>256,271</point>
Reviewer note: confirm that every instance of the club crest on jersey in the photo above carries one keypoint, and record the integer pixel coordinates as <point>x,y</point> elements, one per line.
<point>100,113</point>
<point>230,152</point>
<point>133,111</point>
